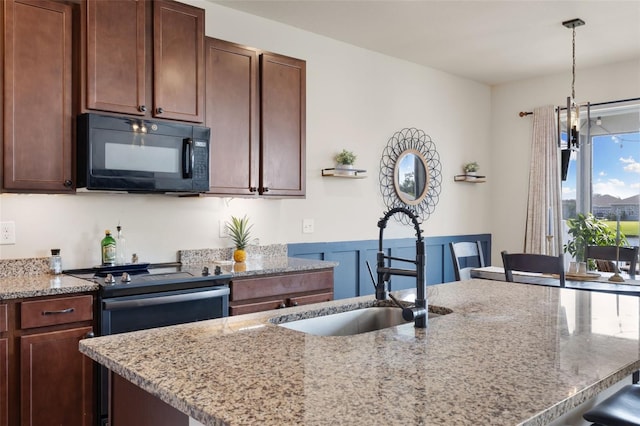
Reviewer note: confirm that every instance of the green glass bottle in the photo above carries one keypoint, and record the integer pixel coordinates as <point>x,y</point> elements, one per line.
<point>108,246</point>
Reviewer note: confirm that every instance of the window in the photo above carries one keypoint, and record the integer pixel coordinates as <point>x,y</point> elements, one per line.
<point>604,174</point>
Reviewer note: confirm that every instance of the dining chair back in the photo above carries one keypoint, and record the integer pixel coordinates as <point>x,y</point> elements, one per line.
<point>528,262</point>
<point>626,254</point>
<point>466,256</point>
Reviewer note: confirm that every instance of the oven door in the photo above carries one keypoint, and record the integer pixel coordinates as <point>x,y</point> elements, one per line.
<point>140,312</point>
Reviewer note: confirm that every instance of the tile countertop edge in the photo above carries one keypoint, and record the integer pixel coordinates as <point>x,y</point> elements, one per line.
<point>232,325</point>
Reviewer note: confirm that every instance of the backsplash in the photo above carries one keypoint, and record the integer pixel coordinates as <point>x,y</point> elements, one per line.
<point>28,266</point>
<point>209,255</point>
<point>40,265</point>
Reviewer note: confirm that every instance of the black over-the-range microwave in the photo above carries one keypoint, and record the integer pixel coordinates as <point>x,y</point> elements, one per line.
<point>117,153</point>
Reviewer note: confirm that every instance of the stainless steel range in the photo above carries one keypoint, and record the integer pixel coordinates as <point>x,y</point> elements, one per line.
<point>142,296</point>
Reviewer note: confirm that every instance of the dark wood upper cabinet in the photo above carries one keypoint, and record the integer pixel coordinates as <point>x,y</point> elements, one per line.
<point>232,115</point>
<point>178,61</point>
<point>115,56</point>
<point>37,101</point>
<point>283,125</point>
<point>144,58</point>
<point>257,136</point>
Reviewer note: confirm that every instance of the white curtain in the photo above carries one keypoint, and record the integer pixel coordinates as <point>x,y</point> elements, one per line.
<point>544,207</point>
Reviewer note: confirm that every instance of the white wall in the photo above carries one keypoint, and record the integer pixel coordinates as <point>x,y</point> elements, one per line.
<point>356,99</point>
<point>511,137</point>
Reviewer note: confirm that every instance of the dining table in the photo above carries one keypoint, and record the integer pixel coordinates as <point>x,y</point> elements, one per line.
<point>592,280</point>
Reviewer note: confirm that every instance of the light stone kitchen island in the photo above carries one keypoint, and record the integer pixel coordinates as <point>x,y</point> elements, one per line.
<point>507,354</point>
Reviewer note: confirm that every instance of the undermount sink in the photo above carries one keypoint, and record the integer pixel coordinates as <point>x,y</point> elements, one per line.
<point>351,322</point>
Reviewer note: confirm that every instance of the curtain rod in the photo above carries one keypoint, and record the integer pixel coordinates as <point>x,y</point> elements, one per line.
<point>525,113</point>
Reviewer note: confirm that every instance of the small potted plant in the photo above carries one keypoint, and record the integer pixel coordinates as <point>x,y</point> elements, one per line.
<point>471,169</point>
<point>344,161</point>
<point>588,230</point>
<point>240,232</point>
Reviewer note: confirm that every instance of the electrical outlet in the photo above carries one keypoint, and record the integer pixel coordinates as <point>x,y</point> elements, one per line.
<point>223,232</point>
<point>307,226</point>
<point>7,233</point>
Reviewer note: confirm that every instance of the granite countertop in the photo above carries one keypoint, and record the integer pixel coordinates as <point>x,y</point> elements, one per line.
<point>272,265</point>
<point>25,286</point>
<point>29,277</point>
<point>507,354</point>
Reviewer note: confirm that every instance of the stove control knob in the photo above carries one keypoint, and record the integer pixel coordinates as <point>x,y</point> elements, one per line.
<point>205,271</point>
<point>109,279</point>
<point>125,278</point>
<point>217,271</point>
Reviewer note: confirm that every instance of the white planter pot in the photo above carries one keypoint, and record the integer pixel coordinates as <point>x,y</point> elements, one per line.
<point>345,170</point>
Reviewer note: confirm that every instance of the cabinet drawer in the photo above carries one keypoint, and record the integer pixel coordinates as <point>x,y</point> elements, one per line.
<point>249,308</point>
<point>64,310</point>
<point>254,288</point>
<point>309,299</point>
<point>3,318</point>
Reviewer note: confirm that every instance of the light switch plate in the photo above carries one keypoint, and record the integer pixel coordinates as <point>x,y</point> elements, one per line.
<point>7,233</point>
<point>307,226</point>
<point>223,232</point>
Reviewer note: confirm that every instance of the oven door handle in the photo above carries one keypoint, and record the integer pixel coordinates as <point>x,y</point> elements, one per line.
<point>114,304</point>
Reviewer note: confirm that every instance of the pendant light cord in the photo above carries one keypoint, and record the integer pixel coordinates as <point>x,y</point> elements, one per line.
<point>573,69</point>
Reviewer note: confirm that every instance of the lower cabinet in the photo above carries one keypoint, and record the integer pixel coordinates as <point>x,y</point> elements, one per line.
<point>4,367</point>
<point>4,382</point>
<point>56,380</point>
<point>130,405</point>
<point>255,294</point>
<point>44,379</point>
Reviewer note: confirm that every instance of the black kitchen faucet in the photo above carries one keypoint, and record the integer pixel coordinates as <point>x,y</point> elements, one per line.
<point>418,313</point>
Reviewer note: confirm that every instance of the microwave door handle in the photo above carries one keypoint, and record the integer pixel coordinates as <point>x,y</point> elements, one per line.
<point>188,158</point>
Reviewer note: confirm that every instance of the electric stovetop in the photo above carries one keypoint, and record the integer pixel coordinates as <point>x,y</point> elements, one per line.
<point>143,278</point>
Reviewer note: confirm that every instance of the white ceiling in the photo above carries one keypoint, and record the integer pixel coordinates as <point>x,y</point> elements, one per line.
<point>491,42</point>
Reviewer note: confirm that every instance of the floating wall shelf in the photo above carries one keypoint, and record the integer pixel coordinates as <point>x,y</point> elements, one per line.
<point>470,179</point>
<point>346,173</point>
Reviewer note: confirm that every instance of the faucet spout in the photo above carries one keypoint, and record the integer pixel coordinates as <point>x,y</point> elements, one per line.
<point>419,313</point>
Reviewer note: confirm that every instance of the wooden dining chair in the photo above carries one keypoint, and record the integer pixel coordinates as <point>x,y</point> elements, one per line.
<point>528,262</point>
<point>609,253</point>
<point>466,256</point>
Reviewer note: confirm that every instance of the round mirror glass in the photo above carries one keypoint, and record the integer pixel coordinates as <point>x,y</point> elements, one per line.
<point>411,179</point>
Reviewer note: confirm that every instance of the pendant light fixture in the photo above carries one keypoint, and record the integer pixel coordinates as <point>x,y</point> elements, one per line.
<point>573,108</point>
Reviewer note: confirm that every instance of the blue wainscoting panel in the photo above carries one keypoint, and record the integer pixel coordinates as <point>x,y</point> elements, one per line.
<point>351,276</point>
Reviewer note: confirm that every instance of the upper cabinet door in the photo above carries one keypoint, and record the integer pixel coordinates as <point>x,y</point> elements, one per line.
<point>115,56</point>
<point>178,40</point>
<point>232,115</point>
<point>37,99</point>
<point>283,120</point>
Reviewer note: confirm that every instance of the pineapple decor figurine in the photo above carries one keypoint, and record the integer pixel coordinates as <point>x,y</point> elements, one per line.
<point>239,231</point>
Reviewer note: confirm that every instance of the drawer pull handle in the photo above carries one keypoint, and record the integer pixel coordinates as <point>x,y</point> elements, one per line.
<point>61,311</point>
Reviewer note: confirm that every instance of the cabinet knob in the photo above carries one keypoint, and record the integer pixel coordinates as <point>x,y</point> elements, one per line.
<point>252,189</point>
<point>142,108</point>
<point>68,183</point>
<point>294,303</point>
<point>90,335</point>
<point>282,305</point>
<point>159,110</point>
<point>265,189</point>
